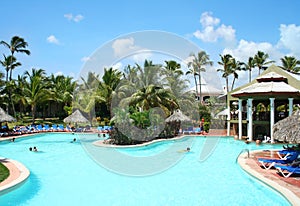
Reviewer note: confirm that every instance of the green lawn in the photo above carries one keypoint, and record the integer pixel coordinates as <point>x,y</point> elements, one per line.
<point>4,172</point>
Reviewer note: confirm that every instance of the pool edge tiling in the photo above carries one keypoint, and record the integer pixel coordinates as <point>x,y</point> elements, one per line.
<point>18,174</point>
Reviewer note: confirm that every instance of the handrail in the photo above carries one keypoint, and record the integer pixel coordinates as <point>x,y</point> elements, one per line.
<point>243,150</point>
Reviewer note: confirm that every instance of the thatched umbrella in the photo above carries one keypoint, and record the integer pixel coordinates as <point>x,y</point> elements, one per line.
<point>178,116</point>
<point>288,129</point>
<point>76,117</point>
<point>175,120</point>
<point>4,117</point>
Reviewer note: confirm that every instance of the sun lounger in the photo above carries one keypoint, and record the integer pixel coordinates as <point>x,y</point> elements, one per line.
<point>287,171</point>
<point>269,163</point>
<point>283,154</point>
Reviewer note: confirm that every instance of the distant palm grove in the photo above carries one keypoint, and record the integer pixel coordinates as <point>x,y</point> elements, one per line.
<point>39,95</point>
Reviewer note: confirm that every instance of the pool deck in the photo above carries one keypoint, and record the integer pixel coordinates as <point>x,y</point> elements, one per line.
<point>288,187</point>
<point>18,173</point>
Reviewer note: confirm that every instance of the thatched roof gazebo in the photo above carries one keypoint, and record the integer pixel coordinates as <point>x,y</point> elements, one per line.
<point>288,129</point>
<point>76,117</point>
<point>4,117</point>
<point>178,116</point>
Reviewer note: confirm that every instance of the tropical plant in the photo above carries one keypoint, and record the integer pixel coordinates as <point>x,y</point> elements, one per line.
<point>9,63</point>
<point>172,67</point>
<point>198,62</point>
<point>226,62</point>
<point>36,89</point>
<point>260,60</point>
<point>290,64</point>
<point>249,66</point>
<point>17,44</point>
<point>235,66</point>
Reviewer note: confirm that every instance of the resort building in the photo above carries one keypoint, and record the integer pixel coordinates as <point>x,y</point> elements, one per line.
<point>207,91</point>
<point>255,107</point>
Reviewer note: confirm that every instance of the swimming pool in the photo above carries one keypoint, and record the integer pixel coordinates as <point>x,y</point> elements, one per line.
<point>64,173</point>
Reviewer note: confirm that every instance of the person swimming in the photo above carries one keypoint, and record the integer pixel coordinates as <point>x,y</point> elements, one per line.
<point>188,149</point>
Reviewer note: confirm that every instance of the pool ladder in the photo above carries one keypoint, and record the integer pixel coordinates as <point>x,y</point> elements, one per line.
<point>243,150</point>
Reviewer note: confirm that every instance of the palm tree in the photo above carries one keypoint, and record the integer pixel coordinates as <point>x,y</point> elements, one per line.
<point>36,89</point>
<point>249,66</point>
<point>290,64</point>
<point>260,60</point>
<point>193,71</point>
<point>17,44</point>
<point>198,63</point>
<point>226,62</point>
<point>173,67</point>
<point>154,96</point>
<point>62,90</point>
<point>235,66</point>
<point>9,63</point>
<point>110,81</point>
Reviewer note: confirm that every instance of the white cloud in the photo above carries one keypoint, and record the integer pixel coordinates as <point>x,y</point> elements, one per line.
<point>142,56</point>
<point>117,66</point>
<point>289,38</point>
<point>58,73</point>
<point>78,18</point>
<point>75,18</point>
<point>85,59</point>
<point>208,20</point>
<point>123,47</point>
<point>212,32</point>
<point>52,39</point>
<point>68,16</point>
<point>246,49</point>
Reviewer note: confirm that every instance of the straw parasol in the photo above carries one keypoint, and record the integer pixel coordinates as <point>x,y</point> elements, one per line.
<point>4,117</point>
<point>288,129</point>
<point>76,117</point>
<point>178,116</point>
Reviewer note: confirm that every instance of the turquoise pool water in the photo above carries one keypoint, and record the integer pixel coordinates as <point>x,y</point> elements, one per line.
<point>64,173</point>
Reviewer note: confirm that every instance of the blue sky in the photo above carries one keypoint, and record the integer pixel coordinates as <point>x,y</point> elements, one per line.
<point>62,35</point>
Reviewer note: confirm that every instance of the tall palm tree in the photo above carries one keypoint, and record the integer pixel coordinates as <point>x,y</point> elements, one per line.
<point>260,60</point>
<point>290,64</point>
<point>36,89</point>
<point>226,62</point>
<point>193,71</point>
<point>17,44</point>
<point>198,63</point>
<point>235,66</point>
<point>249,66</point>
<point>9,63</point>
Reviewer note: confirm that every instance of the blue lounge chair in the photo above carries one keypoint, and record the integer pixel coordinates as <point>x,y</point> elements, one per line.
<point>189,130</point>
<point>287,170</point>
<point>284,153</point>
<point>60,128</point>
<point>269,163</point>
<point>39,128</point>
<point>54,127</point>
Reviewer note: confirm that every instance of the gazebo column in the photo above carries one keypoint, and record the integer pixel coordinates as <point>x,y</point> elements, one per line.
<point>272,118</point>
<point>228,120</point>
<point>291,106</point>
<point>240,118</point>
<point>250,120</point>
